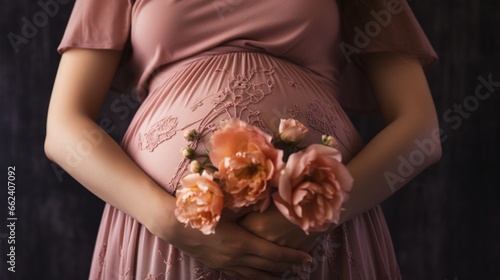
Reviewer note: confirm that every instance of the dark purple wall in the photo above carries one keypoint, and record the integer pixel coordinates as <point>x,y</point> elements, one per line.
<point>444,224</point>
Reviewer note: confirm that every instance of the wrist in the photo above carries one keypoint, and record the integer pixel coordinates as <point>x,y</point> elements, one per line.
<point>159,217</point>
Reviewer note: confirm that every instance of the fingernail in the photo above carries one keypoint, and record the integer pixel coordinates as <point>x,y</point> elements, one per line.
<point>306,265</point>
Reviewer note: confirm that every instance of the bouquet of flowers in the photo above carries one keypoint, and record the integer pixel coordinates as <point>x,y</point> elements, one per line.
<point>247,167</point>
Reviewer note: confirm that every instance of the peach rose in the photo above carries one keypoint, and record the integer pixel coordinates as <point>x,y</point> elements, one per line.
<point>199,202</point>
<point>245,177</point>
<point>312,187</point>
<point>292,131</point>
<point>247,162</point>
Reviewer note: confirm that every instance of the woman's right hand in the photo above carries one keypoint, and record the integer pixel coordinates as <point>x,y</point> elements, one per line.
<point>232,249</point>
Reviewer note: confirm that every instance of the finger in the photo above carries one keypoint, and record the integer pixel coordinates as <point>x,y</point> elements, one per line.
<point>276,261</point>
<point>263,264</point>
<point>278,254</point>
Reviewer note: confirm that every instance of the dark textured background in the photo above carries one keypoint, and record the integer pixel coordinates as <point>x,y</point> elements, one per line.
<point>445,223</point>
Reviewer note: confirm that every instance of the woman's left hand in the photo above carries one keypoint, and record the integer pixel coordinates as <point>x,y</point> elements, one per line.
<point>273,226</point>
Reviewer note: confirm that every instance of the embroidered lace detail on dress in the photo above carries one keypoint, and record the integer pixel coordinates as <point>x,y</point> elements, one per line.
<point>322,118</point>
<point>153,277</point>
<point>102,256</point>
<point>332,245</point>
<point>171,262</point>
<point>352,261</point>
<point>294,112</point>
<point>168,265</point>
<point>204,274</point>
<point>158,133</point>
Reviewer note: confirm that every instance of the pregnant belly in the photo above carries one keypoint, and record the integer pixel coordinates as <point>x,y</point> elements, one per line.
<point>254,87</point>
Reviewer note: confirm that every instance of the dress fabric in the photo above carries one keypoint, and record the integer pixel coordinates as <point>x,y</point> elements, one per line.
<point>194,63</point>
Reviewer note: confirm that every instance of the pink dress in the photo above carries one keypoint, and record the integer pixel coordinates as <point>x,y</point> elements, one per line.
<point>194,63</point>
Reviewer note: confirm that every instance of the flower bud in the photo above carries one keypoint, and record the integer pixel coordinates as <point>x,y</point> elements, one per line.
<point>195,167</point>
<point>329,140</point>
<point>292,131</point>
<point>190,135</point>
<point>187,153</point>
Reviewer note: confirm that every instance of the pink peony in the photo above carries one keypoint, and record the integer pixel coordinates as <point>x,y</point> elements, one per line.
<point>292,131</point>
<point>312,187</point>
<point>247,163</point>
<point>199,202</point>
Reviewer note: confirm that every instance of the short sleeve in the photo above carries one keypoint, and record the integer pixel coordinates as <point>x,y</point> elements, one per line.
<point>383,26</point>
<point>98,24</point>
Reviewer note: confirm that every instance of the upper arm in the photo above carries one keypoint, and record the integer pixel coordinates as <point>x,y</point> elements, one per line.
<point>83,79</point>
<point>400,88</point>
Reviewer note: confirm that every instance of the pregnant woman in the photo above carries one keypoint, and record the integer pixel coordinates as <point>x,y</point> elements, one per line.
<point>194,63</point>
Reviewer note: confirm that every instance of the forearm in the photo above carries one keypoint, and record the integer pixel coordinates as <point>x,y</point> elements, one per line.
<point>407,145</point>
<point>391,159</point>
<point>95,160</point>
